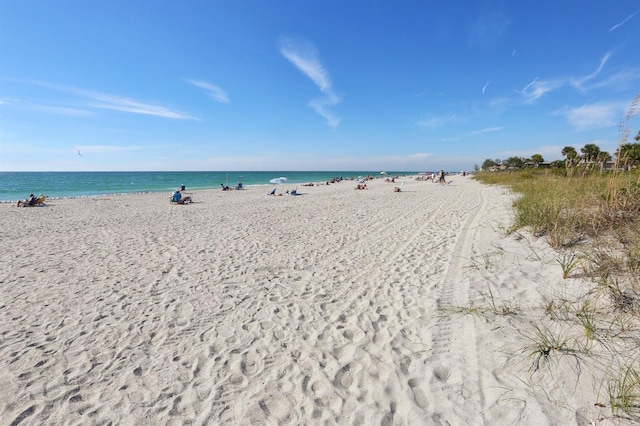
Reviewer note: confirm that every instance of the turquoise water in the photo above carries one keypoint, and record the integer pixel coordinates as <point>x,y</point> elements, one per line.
<point>18,185</point>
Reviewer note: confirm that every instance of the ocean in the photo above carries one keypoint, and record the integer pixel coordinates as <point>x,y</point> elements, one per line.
<point>16,186</point>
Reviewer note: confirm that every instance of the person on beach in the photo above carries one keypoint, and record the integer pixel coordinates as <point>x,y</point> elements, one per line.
<point>29,202</point>
<point>182,187</point>
<point>224,188</point>
<point>179,199</point>
<point>442,179</point>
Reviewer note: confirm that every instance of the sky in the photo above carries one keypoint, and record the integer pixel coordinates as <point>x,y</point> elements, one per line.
<point>345,85</point>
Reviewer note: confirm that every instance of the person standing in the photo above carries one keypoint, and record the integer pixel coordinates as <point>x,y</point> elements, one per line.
<point>442,180</point>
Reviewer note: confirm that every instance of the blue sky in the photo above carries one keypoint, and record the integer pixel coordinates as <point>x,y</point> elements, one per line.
<point>309,85</point>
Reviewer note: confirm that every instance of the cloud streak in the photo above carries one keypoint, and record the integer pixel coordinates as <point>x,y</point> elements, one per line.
<point>487,130</point>
<point>106,148</point>
<point>119,103</point>
<point>538,88</point>
<point>124,104</point>
<point>622,79</point>
<point>212,90</point>
<point>49,109</point>
<point>433,122</point>
<point>618,25</point>
<point>304,57</point>
<point>579,83</point>
<point>594,116</point>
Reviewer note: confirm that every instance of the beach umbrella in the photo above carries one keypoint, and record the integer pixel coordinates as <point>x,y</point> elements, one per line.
<point>279,180</point>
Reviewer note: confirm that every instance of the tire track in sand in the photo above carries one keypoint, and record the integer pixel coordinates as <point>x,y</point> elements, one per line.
<point>458,394</point>
<point>399,285</point>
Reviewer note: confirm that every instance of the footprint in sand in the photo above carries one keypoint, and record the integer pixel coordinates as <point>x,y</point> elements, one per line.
<point>420,392</point>
<point>356,335</point>
<point>251,364</point>
<point>280,407</point>
<point>441,373</point>
<point>345,376</point>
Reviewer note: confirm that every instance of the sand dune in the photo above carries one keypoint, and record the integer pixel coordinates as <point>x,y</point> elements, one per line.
<point>333,307</point>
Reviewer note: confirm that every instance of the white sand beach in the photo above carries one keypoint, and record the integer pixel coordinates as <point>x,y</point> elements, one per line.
<point>337,306</point>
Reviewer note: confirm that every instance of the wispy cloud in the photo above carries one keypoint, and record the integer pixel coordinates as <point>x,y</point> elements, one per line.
<point>499,102</point>
<point>488,28</point>
<point>416,161</point>
<point>578,83</point>
<point>72,112</point>
<point>538,88</point>
<point>124,104</point>
<point>594,116</point>
<point>304,57</point>
<point>93,149</point>
<point>320,106</point>
<point>484,88</point>
<point>487,130</point>
<point>624,21</point>
<point>119,103</point>
<point>433,122</point>
<point>212,90</point>
<point>621,80</point>
<point>49,109</point>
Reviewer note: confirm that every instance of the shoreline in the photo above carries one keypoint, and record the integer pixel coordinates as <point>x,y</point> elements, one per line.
<point>213,188</point>
<point>336,306</point>
<point>57,185</point>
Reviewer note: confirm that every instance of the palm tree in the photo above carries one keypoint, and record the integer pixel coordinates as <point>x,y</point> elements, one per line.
<point>629,154</point>
<point>570,155</point>
<point>590,152</point>
<point>537,159</point>
<point>603,157</point>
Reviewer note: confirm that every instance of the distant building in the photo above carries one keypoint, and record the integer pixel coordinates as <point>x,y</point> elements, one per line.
<point>544,164</point>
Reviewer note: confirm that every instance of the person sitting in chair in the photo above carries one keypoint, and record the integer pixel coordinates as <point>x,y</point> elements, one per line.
<point>29,202</point>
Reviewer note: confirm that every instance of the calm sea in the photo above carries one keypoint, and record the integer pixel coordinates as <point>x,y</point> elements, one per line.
<point>18,185</point>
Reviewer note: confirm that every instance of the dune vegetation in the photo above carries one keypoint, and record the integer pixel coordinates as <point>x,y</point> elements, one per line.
<point>591,216</point>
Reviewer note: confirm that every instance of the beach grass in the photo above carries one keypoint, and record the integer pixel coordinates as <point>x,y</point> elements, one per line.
<point>592,218</point>
<point>568,209</point>
<point>596,215</point>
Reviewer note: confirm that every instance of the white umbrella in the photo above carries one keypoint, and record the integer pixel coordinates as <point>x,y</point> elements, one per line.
<point>279,180</point>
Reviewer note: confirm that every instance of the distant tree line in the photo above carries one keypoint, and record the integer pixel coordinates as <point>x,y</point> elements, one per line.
<point>627,156</point>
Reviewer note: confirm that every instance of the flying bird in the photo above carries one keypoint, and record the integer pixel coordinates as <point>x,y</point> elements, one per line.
<point>79,153</point>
